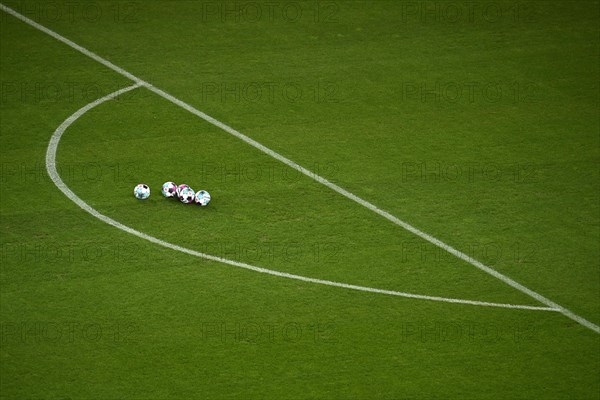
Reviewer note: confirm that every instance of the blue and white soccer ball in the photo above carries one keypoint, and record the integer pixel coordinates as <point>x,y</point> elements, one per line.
<point>141,191</point>
<point>187,195</point>
<point>169,189</point>
<point>202,198</point>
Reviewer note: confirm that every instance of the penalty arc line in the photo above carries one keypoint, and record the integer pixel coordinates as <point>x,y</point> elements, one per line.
<point>509,281</point>
<point>54,175</point>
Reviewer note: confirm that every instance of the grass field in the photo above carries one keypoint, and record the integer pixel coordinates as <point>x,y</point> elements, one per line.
<point>475,122</point>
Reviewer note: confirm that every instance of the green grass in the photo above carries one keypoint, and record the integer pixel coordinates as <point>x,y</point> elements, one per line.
<point>508,177</point>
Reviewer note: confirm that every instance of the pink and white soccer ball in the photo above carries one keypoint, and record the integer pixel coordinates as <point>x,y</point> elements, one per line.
<point>180,188</point>
<point>187,195</point>
<point>169,189</point>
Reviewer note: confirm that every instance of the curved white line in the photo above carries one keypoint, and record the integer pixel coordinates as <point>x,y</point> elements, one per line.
<point>385,214</point>
<point>52,171</point>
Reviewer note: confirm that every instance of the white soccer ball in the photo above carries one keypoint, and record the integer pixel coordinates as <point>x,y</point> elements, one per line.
<point>186,195</point>
<point>202,198</point>
<point>169,189</point>
<point>141,191</point>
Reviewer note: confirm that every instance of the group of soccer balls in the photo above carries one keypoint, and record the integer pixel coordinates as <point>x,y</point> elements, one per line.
<point>170,189</point>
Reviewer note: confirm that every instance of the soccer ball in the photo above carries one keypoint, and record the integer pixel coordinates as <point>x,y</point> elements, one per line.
<point>169,189</point>
<point>186,195</point>
<point>202,198</point>
<point>180,188</point>
<point>141,191</point>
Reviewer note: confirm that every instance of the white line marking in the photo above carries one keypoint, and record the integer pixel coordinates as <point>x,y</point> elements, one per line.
<point>52,171</point>
<point>312,175</point>
<point>74,45</point>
